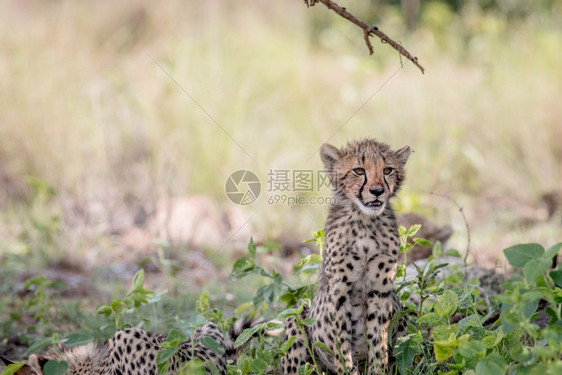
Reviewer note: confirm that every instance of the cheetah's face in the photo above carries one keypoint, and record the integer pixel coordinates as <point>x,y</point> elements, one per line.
<point>366,173</point>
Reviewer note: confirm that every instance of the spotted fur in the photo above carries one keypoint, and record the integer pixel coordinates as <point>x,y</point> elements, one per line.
<point>132,351</point>
<point>355,299</point>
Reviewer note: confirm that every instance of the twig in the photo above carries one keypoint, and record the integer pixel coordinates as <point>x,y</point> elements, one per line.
<point>461,210</point>
<point>368,30</point>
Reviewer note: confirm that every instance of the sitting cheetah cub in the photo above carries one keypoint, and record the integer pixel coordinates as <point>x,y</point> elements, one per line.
<point>355,299</point>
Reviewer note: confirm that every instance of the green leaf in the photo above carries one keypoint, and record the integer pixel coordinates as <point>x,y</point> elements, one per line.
<point>259,366</point>
<point>519,255</point>
<point>273,326</point>
<point>104,310</point>
<point>37,280</point>
<point>493,338</point>
<point>309,322</point>
<point>536,369</point>
<point>530,302</point>
<point>265,354</point>
<point>320,345</point>
<point>268,293</point>
<point>292,296</point>
<point>447,304</point>
<point>40,344</point>
<point>117,305</point>
<point>242,268</point>
<point>252,248</point>
<point>556,276</point>
<point>557,294</point>
<point>211,368</point>
<point>164,355</point>
<point>407,348</point>
<point>138,280</point>
<point>13,368</point>
<point>77,339</point>
<point>553,334</point>
<point>553,250</point>
<point>492,364</point>
<point>536,268</point>
<point>311,262</point>
<point>453,253</point>
<point>436,251</point>
<point>400,270</point>
<point>203,304</point>
<point>413,230</point>
<point>468,322</point>
<point>444,331</point>
<point>242,307</point>
<point>212,344</point>
<point>175,337</point>
<point>430,319</point>
<point>288,344</point>
<point>319,239</point>
<point>423,242</point>
<point>444,349</point>
<point>193,367</point>
<point>173,340</point>
<point>246,335</point>
<point>472,349</point>
<point>55,368</point>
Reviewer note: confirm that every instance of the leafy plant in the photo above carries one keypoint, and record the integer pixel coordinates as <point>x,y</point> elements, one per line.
<point>451,329</point>
<point>137,296</point>
<point>450,333</point>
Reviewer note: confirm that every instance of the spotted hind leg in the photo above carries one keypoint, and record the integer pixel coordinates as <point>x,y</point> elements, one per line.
<point>297,355</point>
<point>196,348</point>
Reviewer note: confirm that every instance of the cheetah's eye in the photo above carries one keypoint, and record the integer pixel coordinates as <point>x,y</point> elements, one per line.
<point>358,171</point>
<point>387,171</point>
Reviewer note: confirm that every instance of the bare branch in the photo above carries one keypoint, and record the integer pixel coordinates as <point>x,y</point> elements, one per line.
<point>368,30</point>
<point>368,42</point>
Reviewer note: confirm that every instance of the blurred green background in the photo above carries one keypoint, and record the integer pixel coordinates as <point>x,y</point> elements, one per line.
<point>106,164</point>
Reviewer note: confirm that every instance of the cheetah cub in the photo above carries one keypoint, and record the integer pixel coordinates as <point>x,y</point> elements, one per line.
<point>133,351</point>
<point>355,299</point>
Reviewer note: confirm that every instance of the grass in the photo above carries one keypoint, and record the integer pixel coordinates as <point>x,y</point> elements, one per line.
<point>93,132</point>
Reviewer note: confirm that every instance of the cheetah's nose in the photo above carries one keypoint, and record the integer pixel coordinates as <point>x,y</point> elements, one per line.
<point>376,191</point>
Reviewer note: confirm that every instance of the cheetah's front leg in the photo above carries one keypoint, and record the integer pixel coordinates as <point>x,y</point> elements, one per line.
<point>340,308</point>
<point>381,271</point>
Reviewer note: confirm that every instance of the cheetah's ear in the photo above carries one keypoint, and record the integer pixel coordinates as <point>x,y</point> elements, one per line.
<point>403,154</point>
<point>329,155</point>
